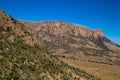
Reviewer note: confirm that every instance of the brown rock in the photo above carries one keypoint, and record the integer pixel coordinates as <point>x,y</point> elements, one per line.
<point>98,33</point>
<point>63,28</point>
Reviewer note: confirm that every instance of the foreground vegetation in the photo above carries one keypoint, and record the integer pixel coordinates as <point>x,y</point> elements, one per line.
<point>22,59</point>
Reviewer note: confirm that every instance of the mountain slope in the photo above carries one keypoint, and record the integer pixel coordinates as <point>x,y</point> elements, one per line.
<point>22,59</point>
<point>73,41</point>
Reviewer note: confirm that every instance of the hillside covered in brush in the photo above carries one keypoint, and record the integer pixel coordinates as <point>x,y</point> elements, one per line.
<point>22,59</point>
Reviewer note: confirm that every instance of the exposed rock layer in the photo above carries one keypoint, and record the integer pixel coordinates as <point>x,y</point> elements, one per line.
<point>74,41</point>
<point>64,28</point>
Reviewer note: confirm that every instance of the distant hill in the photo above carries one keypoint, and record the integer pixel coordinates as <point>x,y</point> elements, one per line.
<point>74,41</point>
<point>22,59</point>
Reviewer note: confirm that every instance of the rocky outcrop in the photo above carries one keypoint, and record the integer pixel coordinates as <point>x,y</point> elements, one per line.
<point>72,41</point>
<point>5,20</point>
<point>98,33</point>
<point>63,28</point>
<point>9,25</point>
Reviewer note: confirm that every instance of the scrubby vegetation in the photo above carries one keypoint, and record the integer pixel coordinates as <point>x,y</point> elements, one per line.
<point>22,59</point>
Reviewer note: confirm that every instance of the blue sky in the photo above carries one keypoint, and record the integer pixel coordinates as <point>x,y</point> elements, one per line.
<point>103,14</point>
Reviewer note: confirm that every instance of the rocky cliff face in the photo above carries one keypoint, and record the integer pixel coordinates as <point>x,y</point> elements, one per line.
<point>64,28</point>
<point>73,41</point>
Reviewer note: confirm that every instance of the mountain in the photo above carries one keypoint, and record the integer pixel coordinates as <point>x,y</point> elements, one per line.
<point>73,41</point>
<point>22,59</point>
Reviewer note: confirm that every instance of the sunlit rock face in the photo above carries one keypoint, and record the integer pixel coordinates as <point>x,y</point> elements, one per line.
<point>63,28</point>
<point>73,41</point>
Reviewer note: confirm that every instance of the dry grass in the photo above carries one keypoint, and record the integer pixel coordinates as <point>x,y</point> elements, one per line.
<point>102,71</point>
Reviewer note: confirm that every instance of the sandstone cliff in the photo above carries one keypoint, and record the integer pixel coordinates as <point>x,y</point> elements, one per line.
<point>74,41</point>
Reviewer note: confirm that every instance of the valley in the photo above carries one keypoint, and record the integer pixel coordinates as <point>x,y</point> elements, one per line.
<point>102,71</point>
